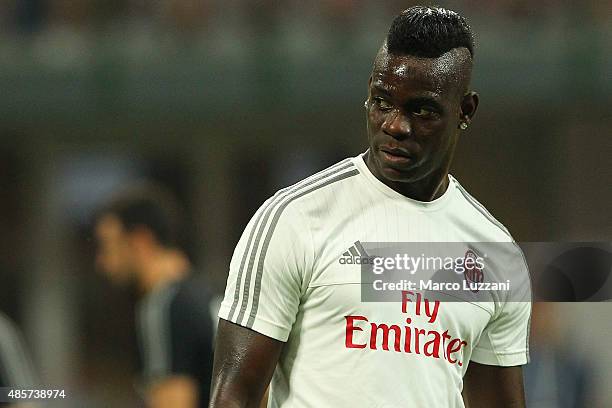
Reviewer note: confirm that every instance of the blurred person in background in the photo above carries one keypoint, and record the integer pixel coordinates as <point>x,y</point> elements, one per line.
<point>16,369</point>
<point>138,235</point>
<point>557,376</point>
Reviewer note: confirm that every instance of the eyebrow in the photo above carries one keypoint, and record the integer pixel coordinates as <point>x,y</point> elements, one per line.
<point>381,88</point>
<point>418,100</point>
<point>425,100</point>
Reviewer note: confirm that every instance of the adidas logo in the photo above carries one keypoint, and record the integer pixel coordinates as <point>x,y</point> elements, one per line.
<point>356,255</point>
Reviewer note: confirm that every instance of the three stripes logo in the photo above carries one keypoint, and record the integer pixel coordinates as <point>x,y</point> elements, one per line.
<point>356,255</point>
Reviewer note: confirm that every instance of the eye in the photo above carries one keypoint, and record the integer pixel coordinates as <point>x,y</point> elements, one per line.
<point>382,104</point>
<point>425,112</point>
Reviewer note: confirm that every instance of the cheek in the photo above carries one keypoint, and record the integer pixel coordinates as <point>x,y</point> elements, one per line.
<point>375,118</point>
<point>373,126</point>
<point>371,122</point>
<point>435,133</point>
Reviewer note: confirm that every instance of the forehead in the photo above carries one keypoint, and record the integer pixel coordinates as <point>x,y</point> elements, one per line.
<point>442,76</point>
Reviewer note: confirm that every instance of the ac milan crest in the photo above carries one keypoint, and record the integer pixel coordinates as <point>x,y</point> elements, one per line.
<point>472,274</point>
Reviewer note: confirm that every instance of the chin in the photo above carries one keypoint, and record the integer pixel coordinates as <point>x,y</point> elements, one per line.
<point>400,176</point>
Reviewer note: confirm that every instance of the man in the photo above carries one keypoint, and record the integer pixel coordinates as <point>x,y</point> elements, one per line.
<point>137,236</point>
<point>293,313</point>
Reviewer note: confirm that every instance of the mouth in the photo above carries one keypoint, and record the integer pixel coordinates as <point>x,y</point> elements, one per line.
<point>394,155</point>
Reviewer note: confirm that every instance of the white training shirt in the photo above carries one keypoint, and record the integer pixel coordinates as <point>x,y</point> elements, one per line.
<point>286,282</point>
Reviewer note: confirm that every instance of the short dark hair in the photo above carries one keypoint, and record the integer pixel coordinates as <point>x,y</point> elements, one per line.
<point>428,32</point>
<point>150,206</point>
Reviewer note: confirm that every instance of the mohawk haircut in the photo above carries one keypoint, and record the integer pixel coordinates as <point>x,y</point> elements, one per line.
<point>428,32</point>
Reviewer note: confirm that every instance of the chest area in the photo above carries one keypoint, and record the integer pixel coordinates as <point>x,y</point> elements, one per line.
<point>437,331</point>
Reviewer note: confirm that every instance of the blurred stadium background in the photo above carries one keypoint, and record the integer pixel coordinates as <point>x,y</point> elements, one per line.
<point>226,101</point>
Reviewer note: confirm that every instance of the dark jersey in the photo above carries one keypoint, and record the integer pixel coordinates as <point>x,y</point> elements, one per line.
<point>175,333</point>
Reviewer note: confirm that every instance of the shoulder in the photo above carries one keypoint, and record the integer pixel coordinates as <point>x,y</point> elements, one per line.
<point>153,317</point>
<point>317,187</point>
<point>505,256</point>
<point>284,216</point>
<point>157,302</point>
<point>176,314</point>
<point>478,210</point>
<point>192,295</point>
<point>189,297</point>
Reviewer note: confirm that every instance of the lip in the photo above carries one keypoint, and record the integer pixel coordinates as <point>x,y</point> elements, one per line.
<point>395,155</point>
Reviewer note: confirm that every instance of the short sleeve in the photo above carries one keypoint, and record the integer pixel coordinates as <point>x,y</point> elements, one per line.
<point>266,277</point>
<point>505,340</point>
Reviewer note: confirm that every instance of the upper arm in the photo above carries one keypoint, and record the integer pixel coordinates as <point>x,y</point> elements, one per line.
<point>243,365</point>
<point>267,271</point>
<point>262,298</point>
<point>493,386</point>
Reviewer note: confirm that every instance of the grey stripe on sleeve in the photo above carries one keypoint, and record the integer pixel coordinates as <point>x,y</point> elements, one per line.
<point>266,243</point>
<point>244,257</point>
<point>482,209</point>
<point>250,249</point>
<point>278,202</point>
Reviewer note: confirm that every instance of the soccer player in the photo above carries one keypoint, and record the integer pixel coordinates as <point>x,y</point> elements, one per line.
<point>292,312</point>
<point>137,235</point>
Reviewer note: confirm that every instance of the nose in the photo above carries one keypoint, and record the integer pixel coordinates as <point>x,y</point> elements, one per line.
<point>397,125</point>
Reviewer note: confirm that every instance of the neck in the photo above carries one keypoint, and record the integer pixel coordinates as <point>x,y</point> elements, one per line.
<point>426,189</point>
<point>165,266</point>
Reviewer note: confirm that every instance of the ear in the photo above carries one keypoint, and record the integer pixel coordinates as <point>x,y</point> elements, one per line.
<point>469,104</point>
